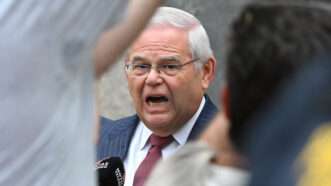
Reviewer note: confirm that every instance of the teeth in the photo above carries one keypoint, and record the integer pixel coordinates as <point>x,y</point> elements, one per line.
<point>151,103</point>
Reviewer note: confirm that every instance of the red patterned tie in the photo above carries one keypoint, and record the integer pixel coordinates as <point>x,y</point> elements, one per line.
<point>153,155</point>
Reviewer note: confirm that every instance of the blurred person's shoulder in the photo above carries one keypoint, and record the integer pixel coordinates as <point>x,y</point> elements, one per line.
<point>315,159</point>
<point>194,166</point>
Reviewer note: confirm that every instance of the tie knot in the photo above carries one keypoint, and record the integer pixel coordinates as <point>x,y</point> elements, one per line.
<point>159,141</point>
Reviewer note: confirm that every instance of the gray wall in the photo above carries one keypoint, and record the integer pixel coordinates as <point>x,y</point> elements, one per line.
<point>216,15</point>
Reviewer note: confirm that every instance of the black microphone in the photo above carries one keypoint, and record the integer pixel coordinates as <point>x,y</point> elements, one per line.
<point>110,172</point>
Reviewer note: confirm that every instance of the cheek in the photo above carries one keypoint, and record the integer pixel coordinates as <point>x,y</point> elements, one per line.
<point>135,88</point>
<point>175,87</point>
<point>180,91</point>
<point>188,92</point>
<point>187,85</point>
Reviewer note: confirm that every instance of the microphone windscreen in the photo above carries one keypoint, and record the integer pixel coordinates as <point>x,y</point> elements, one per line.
<point>110,172</point>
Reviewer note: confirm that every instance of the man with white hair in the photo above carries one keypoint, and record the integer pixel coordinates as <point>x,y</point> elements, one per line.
<point>168,69</point>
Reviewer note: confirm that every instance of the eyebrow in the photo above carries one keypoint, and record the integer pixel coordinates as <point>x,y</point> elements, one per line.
<point>162,59</point>
<point>139,58</point>
<point>169,58</point>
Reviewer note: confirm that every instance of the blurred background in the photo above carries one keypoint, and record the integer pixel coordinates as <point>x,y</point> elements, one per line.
<point>113,96</point>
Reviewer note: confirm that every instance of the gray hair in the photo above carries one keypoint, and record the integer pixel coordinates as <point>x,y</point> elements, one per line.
<point>198,39</point>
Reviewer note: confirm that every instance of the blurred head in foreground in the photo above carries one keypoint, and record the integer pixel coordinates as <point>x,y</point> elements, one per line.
<point>270,41</point>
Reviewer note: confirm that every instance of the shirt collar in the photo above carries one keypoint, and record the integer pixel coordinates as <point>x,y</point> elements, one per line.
<point>145,133</point>
<point>180,136</point>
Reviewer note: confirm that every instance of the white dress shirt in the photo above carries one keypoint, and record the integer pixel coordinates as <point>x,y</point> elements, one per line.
<point>139,145</point>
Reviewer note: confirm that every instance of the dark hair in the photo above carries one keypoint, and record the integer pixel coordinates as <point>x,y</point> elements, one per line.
<point>268,44</point>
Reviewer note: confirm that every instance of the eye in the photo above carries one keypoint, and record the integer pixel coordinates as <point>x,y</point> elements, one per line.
<point>170,66</point>
<point>141,67</point>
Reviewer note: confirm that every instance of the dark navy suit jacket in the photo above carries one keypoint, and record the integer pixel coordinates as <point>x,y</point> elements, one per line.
<point>115,136</point>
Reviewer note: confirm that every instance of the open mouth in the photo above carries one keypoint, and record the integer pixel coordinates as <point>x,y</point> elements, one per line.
<point>156,99</point>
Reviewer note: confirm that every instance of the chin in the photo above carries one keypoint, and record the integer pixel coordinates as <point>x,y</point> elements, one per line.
<point>157,122</point>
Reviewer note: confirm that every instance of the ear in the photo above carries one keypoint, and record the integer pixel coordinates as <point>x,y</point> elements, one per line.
<point>208,72</point>
<point>224,99</point>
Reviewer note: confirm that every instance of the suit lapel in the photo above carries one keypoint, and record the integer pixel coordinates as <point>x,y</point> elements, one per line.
<point>207,114</point>
<point>118,138</point>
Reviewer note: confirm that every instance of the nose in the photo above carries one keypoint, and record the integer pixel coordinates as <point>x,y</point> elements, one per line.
<point>153,78</point>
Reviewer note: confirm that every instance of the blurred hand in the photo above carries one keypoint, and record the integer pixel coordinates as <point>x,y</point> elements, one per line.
<point>217,137</point>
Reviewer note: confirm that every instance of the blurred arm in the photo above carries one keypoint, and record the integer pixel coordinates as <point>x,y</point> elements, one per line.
<point>112,43</point>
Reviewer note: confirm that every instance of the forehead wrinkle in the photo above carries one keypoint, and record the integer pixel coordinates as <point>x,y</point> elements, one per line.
<point>173,52</point>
